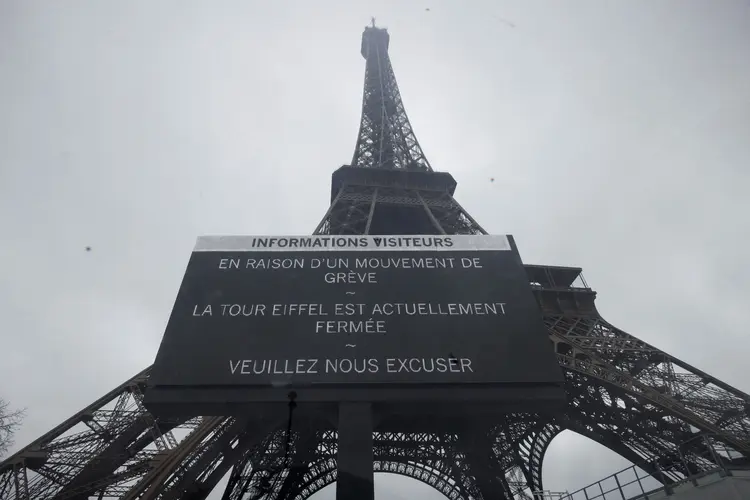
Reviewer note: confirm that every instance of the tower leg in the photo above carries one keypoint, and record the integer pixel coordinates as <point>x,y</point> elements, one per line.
<point>355,471</point>
<point>488,478</point>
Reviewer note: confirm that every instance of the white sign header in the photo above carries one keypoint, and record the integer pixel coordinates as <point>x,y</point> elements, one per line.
<point>352,243</point>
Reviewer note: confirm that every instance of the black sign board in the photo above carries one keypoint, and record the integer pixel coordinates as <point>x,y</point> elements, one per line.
<point>337,317</point>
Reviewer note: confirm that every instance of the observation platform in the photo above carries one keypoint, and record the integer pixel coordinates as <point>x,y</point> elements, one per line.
<point>441,182</point>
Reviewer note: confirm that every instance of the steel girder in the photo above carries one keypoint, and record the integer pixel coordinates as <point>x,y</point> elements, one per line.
<point>623,393</point>
<point>353,210</point>
<point>423,456</point>
<point>385,138</point>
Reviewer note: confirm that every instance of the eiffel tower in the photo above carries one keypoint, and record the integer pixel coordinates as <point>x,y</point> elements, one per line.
<point>623,393</point>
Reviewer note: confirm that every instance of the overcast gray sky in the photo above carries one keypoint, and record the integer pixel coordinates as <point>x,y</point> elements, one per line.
<point>616,134</point>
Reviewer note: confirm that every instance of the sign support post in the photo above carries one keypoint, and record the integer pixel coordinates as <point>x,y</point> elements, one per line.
<point>355,456</point>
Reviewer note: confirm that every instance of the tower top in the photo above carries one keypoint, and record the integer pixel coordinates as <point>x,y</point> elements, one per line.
<point>374,40</point>
<point>386,138</point>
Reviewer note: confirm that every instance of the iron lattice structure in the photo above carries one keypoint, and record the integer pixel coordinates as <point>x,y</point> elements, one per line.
<point>622,392</point>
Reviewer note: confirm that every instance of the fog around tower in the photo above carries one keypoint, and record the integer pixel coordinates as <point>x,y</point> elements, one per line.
<point>615,135</point>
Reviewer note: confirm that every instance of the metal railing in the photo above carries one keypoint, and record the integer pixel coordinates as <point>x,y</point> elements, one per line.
<point>550,495</point>
<point>626,484</point>
<point>695,458</point>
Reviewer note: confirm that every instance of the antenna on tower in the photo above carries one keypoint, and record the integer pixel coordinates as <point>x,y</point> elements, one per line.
<point>372,19</point>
